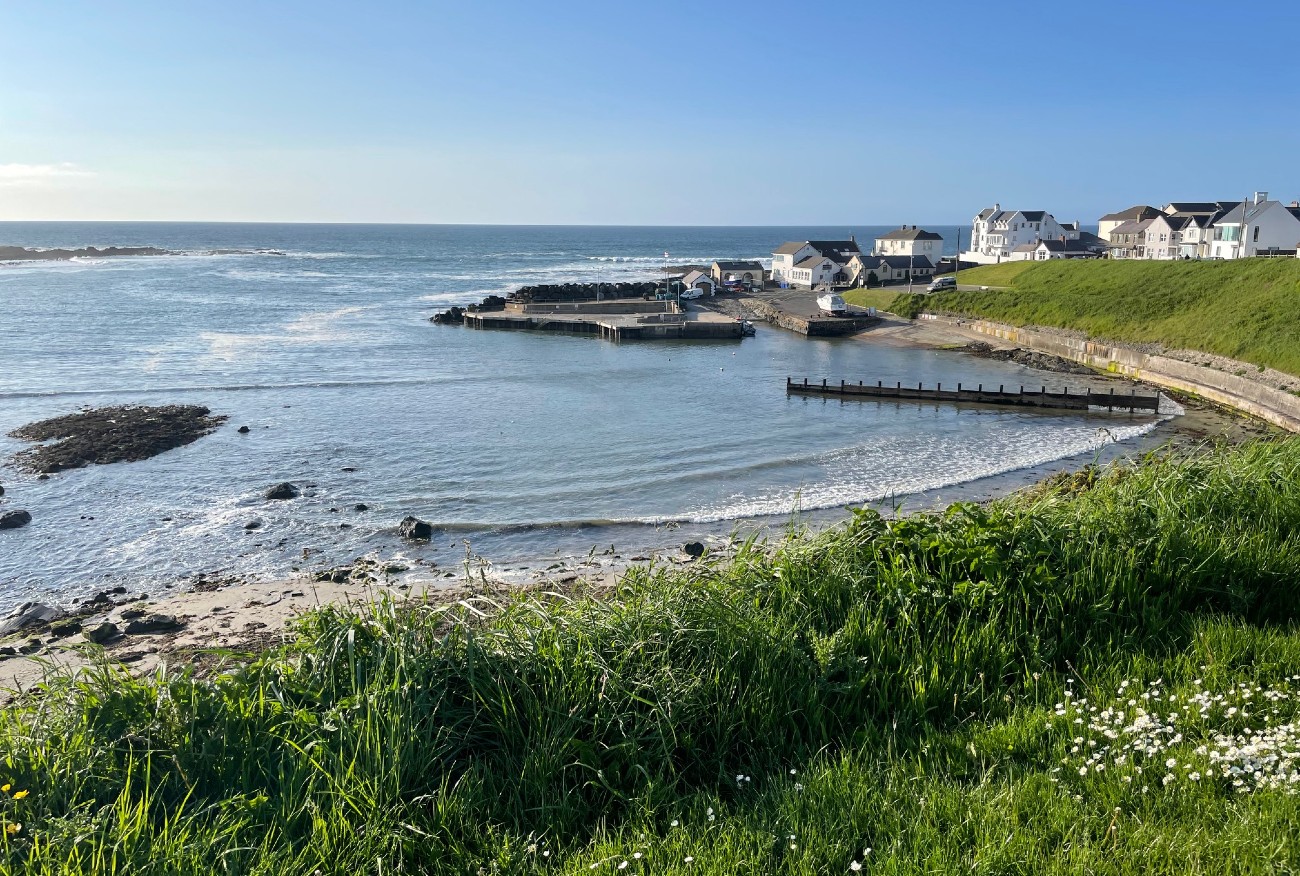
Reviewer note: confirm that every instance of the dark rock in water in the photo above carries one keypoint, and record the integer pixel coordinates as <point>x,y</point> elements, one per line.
<point>154,623</point>
<point>282,491</point>
<point>348,468</point>
<point>2,490</point>
<point>42,477</point>
<point>102,633</point>
<point>252,525</point>
<point>361,506</point>
<point>29,614</point>
<point>395,569</point>
<point>693,549</point>
<point>415,529</point>
<point>119,590</point>
<point>14,519</point>
<point>243,430</point>
<point>65,628</point>
<point>116,434</point>
<point>454,316</point>
<point>25,254</point>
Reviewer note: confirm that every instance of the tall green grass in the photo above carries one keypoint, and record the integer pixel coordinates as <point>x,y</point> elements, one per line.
<point>1244,308</point>
<point>886,684</point>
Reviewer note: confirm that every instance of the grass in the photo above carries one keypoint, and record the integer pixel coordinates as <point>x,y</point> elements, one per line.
<point>881,299</point>
<point>892,684</point>
<point>1243,308</point>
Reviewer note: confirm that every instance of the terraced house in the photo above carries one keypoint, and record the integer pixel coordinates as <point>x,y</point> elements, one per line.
<point>811,263</point>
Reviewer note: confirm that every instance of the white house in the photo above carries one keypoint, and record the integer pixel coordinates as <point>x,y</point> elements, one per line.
<point>702,281</point>
<point>801,262</point>
<point>1045,250</point>
<point>996,232</point>
<point>916,242</point>
<point>876,270</point>
<point>1108,223</point>
<point>1258,227</point>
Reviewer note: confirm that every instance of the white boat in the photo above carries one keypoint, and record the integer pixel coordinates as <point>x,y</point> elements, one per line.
<point>832,304</point>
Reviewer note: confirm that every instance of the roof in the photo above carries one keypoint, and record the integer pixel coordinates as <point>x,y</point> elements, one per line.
<point>835,248</point>
<point>1132,214</point>
<point>1132,227</point>
<point>790,248</point>
<point>1034,215</point>
<point>898,263</point>
<point>912,233</point>
<point>690,278</point>
<point>813,261</point>
<point>1200,206</point>
<point>738,265</point>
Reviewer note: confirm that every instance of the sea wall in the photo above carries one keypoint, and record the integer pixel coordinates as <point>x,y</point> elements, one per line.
<point>1236,391</point>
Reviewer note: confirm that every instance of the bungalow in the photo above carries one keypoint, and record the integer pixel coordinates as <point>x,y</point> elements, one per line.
<point>748,272</point>
<point>800,261</point>
<point>1108,223</point>
<point>702,281</point>
<point>1044,250</point>
<point>910,242</point>
<point>1261,227</point>
<point>875,270</point>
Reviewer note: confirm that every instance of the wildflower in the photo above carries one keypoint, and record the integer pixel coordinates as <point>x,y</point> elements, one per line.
<point>636,855</point>
<point>5,787</point>
<point>546,854</point>
<point>1171,763</point>
<point>689,858</point>
<point>593,866</point>
<point>18,795</point>
<point>798,786</point>
<point>1195,777</point>
<point>623,865</point>
<point>674,823</point>
<point>1083,771</point>
<point>12,829</point>
<point>855,866</point>
<point>794,772</point>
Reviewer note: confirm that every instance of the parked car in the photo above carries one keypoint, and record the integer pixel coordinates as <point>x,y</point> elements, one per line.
<point>691,294</point>
<point>941,283</point>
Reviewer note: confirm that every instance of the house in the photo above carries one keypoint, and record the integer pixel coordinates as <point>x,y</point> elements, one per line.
<point>1257,227</point>
<point>996,232</point>
<point>876,270</point>
<point>800,262</point>
<point>1044,250</point>
<point>912,241</point>
<point>748,272</point>
<point>1196,236</point>
<point>1108,223</point>
<point>702,281</point>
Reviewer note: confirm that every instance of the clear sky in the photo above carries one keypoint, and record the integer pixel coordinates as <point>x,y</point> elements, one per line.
<point>734,113</point>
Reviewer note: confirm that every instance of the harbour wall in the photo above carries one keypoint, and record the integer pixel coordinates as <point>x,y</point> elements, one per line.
<point>1232,390</point>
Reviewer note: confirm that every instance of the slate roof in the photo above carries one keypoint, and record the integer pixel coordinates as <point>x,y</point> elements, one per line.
<point>813,261</point>
<point>898,263</point>
<point>1132,214</point>
<point>1176,207</point>
<point>739,266</point>
<point>690,278</point>
<point>841,250</point>
<point>1034,215</point>
<point>790,248</point>
<point>910,234</point>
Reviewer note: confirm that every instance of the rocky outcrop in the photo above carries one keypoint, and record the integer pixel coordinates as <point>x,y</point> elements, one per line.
<point>25,254</point>
<point>282,491</point>
<point>29,614</point>
<point>114,434</point>
<point>415,529</point>
<point>15,519</point>
<point>1028,358</point>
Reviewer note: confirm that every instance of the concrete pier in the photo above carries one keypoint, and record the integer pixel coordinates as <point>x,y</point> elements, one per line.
<point>633,319</point>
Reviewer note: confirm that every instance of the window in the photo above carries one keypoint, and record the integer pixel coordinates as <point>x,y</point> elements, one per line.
<point>1255,238</point>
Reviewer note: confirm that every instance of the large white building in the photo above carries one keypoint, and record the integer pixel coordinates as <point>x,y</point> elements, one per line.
<point>995,233</point>
<point>1256,227</point>
<point>1108,223</point>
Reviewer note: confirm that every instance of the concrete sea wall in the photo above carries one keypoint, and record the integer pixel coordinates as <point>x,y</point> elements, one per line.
<point>1235,391</point>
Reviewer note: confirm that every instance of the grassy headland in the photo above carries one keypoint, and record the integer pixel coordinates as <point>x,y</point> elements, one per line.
<point>1244,309</point>
<point>970,690</point>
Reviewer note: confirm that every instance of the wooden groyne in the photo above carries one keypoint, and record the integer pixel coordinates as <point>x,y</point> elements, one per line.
<point>966,394</point>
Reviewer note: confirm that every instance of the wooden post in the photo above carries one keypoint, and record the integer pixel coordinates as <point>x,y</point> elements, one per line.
<point>823,383</point>
<point>1110,403</point>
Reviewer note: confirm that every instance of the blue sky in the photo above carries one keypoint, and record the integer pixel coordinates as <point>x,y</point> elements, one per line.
<point>664,113</point>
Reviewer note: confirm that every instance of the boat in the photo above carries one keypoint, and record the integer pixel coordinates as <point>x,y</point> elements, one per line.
<point>832,304</point>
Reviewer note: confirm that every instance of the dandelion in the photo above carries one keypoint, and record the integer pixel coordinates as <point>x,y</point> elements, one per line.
<point>5,787</point>
<point>18,795</point>
<point>12,829</point>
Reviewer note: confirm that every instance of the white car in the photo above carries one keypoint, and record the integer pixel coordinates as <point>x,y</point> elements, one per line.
<point>942,283</point>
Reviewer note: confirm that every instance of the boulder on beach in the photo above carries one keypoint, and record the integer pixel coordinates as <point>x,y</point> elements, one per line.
<point>415,529</point>
<point>282,491</point>
<point>154,623</point>
<point>102,633</point>
<point>29,614</point>
<point>15,519</point>
<point>693,549</point>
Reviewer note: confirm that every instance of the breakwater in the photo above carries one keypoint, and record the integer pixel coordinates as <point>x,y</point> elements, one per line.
<point>1031,398</point>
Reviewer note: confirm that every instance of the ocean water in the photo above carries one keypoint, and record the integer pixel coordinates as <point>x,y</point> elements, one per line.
<point>515,446</point>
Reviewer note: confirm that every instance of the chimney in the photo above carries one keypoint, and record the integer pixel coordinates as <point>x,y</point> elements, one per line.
<point>997,206</point>
<point>1295,205</point>
<point>1261,197</point>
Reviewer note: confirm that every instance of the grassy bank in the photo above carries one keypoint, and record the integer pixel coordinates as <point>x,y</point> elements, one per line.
<point>881,299</point>
<point>1243,309</point>
<point>941,689</point>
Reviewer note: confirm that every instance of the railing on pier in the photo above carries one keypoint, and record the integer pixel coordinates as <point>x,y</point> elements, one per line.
<point>1040,398</point>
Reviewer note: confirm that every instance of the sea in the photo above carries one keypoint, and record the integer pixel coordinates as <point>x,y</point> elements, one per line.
<point>518,447</point>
